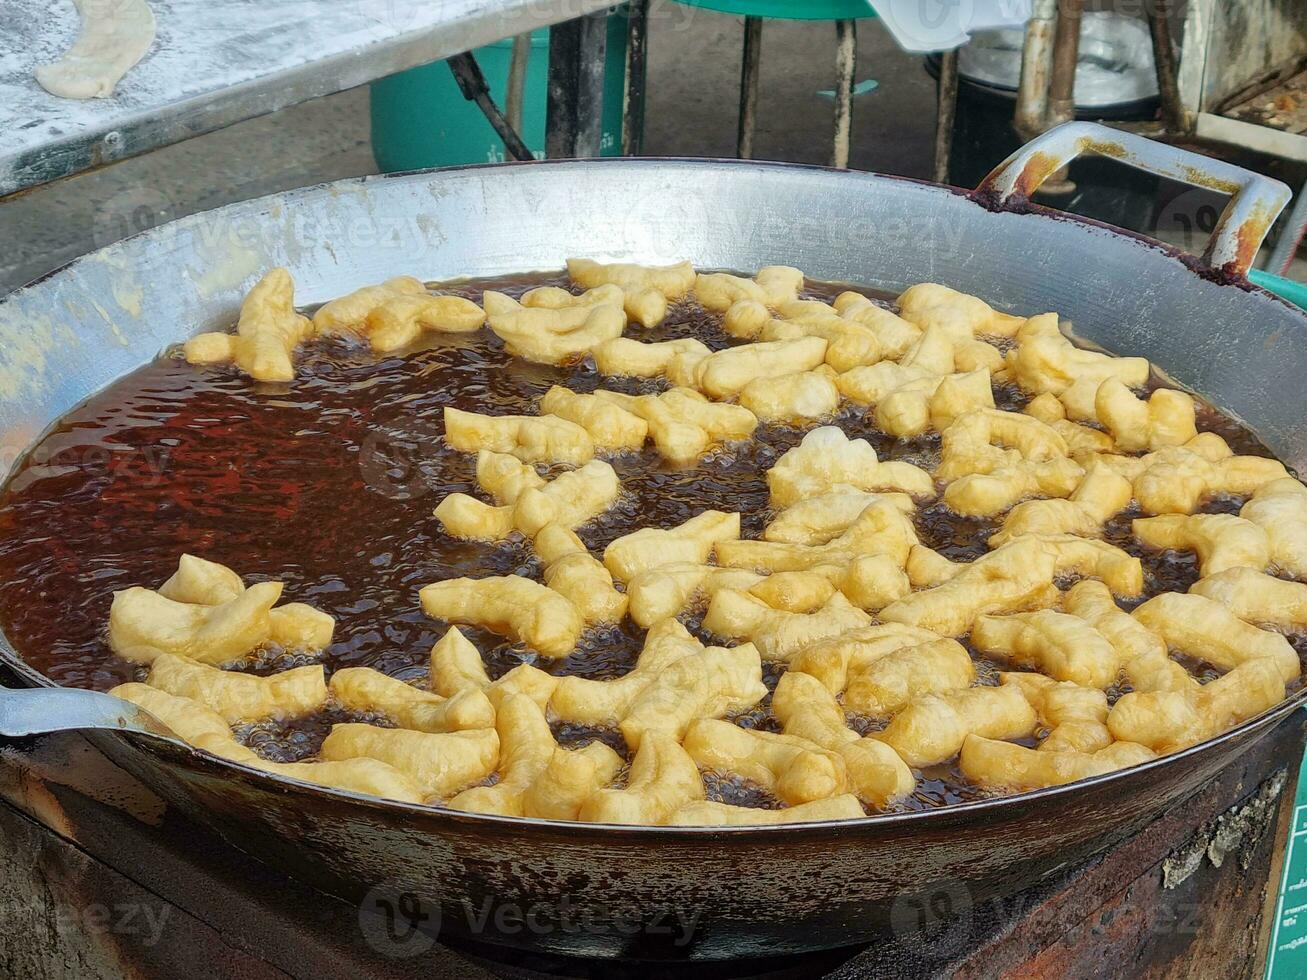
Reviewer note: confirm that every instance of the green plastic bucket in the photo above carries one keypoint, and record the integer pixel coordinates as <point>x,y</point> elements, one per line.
<point>420,118</point>
<point>788,9</point>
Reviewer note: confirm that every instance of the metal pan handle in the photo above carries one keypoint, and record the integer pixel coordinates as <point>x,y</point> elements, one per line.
<point>41,711</point>
<point>1255,201</point>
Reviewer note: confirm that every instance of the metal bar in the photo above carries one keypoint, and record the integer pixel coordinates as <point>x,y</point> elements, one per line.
<point>1255,201</point>
<point>1062,83</point>
<point>1168,87</point>
<point>474,88</point>
<point>637,76</point>
<point>846,70</point>
<point>946,113</point>
<point>1195,40</point>
<point>574,115</point>
<point>1286,247</point>
<point>749,87</point>
<point>515,89</point>
<point>1066,54</point>
<point>1036,66</point>
<point>1250,136</point>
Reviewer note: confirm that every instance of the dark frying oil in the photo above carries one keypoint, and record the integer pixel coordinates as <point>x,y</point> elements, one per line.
<point>327,484</point>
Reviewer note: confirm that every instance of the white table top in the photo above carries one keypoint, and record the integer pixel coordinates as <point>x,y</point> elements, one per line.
<point>216,62</point>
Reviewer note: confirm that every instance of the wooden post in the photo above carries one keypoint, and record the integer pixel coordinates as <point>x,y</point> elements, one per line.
<point>846,69</point>
<point>946,113</point>
<point>574,115</point>
<point>749,87</point>
<point>637,75</point>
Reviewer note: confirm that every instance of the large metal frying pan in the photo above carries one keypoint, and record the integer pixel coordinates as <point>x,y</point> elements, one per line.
<point>749,891</point>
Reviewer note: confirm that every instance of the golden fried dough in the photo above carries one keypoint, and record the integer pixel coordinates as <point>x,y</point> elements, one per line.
<point>1045,360</point>
<point>1256,597</point>
<point>1141,652</point>
<point>791,768</point>
<point>612,427</point>
<point>242,697</point>
<point>1004,765</point>
<point>1062,646</point>
<point>778,635</point>
<point>1101,495</point>
<point>1179,479</point>
<point>526,747</point>
<point>571,499</point>
<point>267,333</point>
<point>818,519</point>
<point>663,779</point>
<point>682,423</point>
<point>651,547</point>
<point>1206,629</point>
<point>1221,541</point>
<point>933,727</point>
<point>775,284</point>
<point>882,686</point>
<point>1168,721</point>
<point>440,765</point>
<point>717,682</point>
<point>582,701</point>
<point>367,690</point>
<point>569,779</point>
<point>666,591</point>
<point>880,529</point>
<point>510,605</point>
<point>929,304</point>
<point>553,336</point>
<point>827,458</point>
<point>832,661</point>
<point>673,281</point>
<point>808,711</point>
<point>572,572</point>
<point>395,313</point>
<point>1014,578</point>
<point>1279,507</point>
<point>543,439</point>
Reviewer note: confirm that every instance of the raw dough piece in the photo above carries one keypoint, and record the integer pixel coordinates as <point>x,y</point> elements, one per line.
<point>114,36</point>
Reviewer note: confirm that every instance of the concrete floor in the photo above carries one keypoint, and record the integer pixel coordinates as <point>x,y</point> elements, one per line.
<point>694,79</point>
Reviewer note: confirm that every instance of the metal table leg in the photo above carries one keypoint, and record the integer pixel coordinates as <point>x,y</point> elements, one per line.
<point>1291,236</point>
<point>574,115</point>
<point>846,69</point>
<point>749,87</point>
<point>637,74</point>
<point>946,112</point>
<point>1168,88</point>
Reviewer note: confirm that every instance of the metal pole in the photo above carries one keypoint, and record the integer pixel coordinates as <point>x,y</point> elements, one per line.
<point>846,69</point>
<point>515,90</point>
<point>473,86</point>
<point>946,113</point>
<point>749,87</point>
<point>1168,88</point>
<point>637,75</point>
<point>1036,66</point>
<point>574,115</point>
<point>1286,247</point>
<point>1062,84</point>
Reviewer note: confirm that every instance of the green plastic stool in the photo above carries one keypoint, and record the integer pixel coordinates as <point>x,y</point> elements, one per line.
<point>845,14</point>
